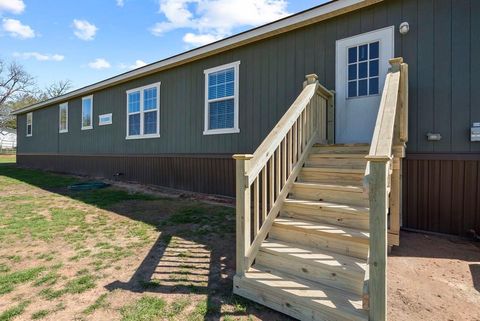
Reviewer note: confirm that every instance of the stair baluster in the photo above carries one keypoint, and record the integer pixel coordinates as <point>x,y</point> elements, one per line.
<point>274,166</point>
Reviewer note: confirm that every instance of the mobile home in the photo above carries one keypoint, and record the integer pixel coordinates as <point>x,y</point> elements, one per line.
<point>333,128</point>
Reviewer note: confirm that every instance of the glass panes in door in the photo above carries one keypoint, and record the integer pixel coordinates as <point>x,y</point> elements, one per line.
<point>363,70</point>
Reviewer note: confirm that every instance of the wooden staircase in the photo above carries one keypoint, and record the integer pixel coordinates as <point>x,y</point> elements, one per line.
<point>313,219</point>
<point>313,263</point>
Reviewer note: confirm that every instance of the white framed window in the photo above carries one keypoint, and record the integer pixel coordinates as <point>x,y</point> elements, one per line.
<point>105,119</point>
<point>29,124</point>
<point>143,112</point>
<point>221,99</point>
<point>63,118</point>
<point>363,69</point>
<point>87,112</point>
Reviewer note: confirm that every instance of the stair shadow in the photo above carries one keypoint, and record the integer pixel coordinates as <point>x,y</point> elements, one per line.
<point>177,264</point>
<point>173,268</point>
<point>183,259</point>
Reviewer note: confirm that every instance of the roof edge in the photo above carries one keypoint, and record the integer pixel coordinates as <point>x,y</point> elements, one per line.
<point>304,18</point>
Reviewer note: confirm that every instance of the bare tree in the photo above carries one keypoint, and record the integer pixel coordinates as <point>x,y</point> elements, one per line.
<point>14,82</point>
<point>18,89</point>
<point>20,101</point>
<point>57,88</point>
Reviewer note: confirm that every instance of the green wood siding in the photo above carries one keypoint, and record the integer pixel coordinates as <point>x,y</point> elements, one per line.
<point>444,92</point>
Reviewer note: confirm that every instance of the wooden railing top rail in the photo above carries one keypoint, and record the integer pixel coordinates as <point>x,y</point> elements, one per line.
<point>271,142</point>
<point>264,178</point>
<point>388,141</point>
<point>383,136</point>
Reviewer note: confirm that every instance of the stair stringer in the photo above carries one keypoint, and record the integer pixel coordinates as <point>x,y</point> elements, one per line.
<point>298,306</point>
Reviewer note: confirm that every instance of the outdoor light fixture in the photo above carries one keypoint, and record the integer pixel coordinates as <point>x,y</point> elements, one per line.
<point>434,136</point>
<point>475,132</point>
<point>404,28</point>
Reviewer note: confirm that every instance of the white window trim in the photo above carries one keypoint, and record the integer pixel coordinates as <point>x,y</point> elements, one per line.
<point>100,123</point>
<point>31,124</point>
<point>60,116</point>
<point>91,113</point>
<point>141,89</point>
<point>235,128</point>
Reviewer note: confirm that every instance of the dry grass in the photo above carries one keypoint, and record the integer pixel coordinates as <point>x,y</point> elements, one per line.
<point>7,159</point>
<point>113,255</point>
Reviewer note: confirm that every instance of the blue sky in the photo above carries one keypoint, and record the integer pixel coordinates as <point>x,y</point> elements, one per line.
<point>90,40</point>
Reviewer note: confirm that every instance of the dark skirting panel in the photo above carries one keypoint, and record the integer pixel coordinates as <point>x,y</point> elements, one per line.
<point>210,174</point>
<point>441,193</point>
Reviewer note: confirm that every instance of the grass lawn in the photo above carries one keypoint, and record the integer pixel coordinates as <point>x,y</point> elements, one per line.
<point>111,254</point>
<point>7,159</point>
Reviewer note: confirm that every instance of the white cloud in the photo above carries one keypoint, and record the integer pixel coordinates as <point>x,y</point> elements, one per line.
<point>138,63</point>
<point>200,40</point>
<point>38,56</point>
<point>84,30</point>
<point>12,6</point>
<point>99,63</point>
<point>18,30</point>
<point>211,20</point>
<point>120,3</point>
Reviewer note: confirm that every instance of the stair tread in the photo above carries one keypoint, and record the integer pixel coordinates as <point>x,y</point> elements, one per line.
<point>340,207</point>
<point>341,149</point>
<point>322,228</point>
<point>316,256</point>
<point>342,145</point>
<point>339,155</point>
<point>358,188</point>
<point>332,169</point>
<point>313,295</point>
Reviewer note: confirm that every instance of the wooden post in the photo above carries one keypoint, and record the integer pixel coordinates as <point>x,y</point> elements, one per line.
<point>404,102</point>
<point>331,119</point>
<point>243,211</point>
<point>396,195</point>
<point>378,237</point>
<point>313,79</point>
<point>310,79</point>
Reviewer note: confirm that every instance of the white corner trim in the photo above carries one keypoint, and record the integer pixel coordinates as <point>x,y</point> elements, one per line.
<point>141,112</point>
<point>235,129</point>
<point>91,113</point>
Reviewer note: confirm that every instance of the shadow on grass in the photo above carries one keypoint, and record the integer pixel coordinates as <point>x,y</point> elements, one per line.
<point>195,250</point>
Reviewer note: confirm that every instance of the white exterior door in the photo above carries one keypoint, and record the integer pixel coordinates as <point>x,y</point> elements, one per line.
<point>361,67</point>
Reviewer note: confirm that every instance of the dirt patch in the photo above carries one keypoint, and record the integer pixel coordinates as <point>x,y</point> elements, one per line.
<point>114,254</point>
<point>434,278</point>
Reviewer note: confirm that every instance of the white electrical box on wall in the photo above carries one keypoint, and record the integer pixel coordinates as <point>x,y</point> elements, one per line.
<point>475,132</point>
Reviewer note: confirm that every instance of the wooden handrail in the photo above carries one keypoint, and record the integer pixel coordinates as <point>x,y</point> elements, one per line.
<point>388,142</point>
<point>274,138</point>
<point>265,177</point>
<point>382,141</point>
